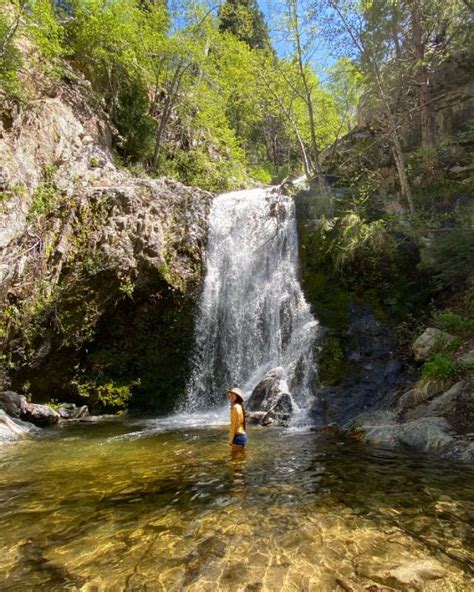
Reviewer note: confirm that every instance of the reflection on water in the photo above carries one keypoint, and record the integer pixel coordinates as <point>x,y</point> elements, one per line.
<point>154,506</point>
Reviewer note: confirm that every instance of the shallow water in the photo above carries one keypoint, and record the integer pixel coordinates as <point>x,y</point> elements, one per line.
<point>159,505</point>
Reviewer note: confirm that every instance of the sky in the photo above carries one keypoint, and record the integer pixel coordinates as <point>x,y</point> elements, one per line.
<point>273,10</point>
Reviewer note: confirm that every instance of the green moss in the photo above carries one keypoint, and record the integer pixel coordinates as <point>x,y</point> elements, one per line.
<point>331,364</point>
<point>171,277</point>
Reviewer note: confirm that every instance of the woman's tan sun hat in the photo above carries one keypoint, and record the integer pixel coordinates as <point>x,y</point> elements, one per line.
<point>236,391</point>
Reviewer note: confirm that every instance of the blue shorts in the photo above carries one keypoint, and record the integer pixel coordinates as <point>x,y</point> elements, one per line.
<point>240,439</point>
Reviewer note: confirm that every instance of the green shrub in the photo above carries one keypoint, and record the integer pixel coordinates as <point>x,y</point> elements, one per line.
<point>452,321</point>
<point>44,199</point>
<point>439,367</point>
<point>107,396</point>
<point>261,175</point>
<point>11,60</point>
<point>449,257</point>
<point>134,122</point>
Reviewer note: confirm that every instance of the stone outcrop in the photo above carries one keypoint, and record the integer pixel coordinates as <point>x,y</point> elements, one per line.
<point>95,262</point>
<point>371,373</point>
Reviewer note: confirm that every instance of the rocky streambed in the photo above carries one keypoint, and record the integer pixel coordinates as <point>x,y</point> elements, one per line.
<point>159,504</point>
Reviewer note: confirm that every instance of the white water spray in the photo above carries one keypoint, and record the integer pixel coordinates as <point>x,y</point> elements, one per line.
<point>252,315</point>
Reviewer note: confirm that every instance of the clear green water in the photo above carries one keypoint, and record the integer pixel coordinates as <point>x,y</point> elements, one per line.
<point>112,507</point>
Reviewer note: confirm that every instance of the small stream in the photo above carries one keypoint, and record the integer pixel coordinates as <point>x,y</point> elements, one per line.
<point>159,505</point>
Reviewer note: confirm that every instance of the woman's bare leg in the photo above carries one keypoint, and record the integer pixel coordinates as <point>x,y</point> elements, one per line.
<point>236,449</point>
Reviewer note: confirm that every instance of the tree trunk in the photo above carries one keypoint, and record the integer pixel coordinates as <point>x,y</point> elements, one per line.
<point>424,94</point>
<point>308,101</point>
<point>401,169</point>
<point>166,114</point>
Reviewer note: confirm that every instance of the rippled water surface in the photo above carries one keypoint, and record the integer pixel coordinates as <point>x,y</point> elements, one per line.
<point>159,505</point>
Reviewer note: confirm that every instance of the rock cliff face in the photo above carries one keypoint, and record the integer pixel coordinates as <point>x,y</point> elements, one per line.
<point>98,268</point>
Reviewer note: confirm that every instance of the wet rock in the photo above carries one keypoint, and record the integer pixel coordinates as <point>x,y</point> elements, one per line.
<point>268,391</point>
<point>70,411</point>
<point>367,336</point>
<point>254,417</point>
<point>14,429</point>
<point>372,375</point>
<point>427,344</point>
<point>426,434</point>
<point>41,415</point>
<point>377,427</point>
<point>271,396</point>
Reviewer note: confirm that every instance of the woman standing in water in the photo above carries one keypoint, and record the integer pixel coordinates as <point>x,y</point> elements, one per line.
<point>237,432</point>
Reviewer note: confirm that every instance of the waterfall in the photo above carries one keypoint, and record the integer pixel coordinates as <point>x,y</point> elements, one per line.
<point>252,313</point>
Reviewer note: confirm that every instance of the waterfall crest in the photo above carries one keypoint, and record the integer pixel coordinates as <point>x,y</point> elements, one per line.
<point>252,315</point>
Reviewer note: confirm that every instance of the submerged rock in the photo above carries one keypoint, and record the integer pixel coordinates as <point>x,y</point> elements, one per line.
<point>270,402</point>
<point>413,574</point>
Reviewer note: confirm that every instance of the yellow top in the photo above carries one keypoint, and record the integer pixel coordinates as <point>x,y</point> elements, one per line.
<point>236,421</point>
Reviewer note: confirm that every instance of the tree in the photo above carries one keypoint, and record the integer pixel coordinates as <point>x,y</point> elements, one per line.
<point>432,28</point>
<point>346,85</point>
<point>245,20</point>
<point>364,35</point>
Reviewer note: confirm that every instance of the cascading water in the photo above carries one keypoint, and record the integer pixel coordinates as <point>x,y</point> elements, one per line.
<point>253,316</point>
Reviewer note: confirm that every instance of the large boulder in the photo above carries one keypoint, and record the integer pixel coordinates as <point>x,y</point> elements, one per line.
<point>430,342</point>
<point>41,415</point>
<point>270,402</point>
<point>109,234</point>
<point>12,429</point>
<point>16,406</point>
<point>13,404</point>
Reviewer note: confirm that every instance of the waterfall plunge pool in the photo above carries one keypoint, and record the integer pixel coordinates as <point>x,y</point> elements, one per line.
<point>159,505</point>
